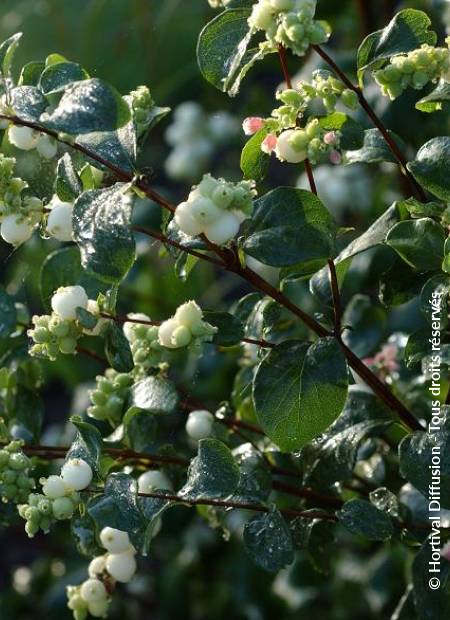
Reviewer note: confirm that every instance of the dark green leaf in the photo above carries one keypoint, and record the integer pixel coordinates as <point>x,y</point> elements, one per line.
<point>399,284</point>
<point>31,73</point>
<point>430,167</point>
<point>85,318</point>
<point>299,390</point>
<point>87,444</point>
<point>117,147</point>
<point>254,162</point>
<point>68,183</point>
<point>374,149</point>
<point>420,243</point>
<point>154,394</point>
<point>363,518</point>
<point>430,603</point>
<point>117,349</point>
<point>213,473</point>
<point>231,329</point>
<point>436,288</point>
<point>367,322</point>
<point>417,347</point>
<point>27,415</point>
<point>56,77</point>
<point>28,102</point>
<point>255,481</point>
<point>290,226</point>
<point>7,49</point>
<point>140,428</point>
<point>268,541</point>
<point>83,532</point>
<point>434,101</point>
<point>101,224</point>
<point>8,315</point>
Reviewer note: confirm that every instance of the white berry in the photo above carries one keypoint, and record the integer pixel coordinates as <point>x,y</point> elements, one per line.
<point>121,566</point>
<point>67,299</point>
<point>165,333</point>
<point>59,223</point>
<point>199,424</point>
<point>98,609</point>
<point>46,146</point>
<point>97,566</point>
<point>223,229</point>
<point>189,314</point>
<point>115,541</point>
<point>14,230</point>
<point>93,590</point>
<point>186,221</point>
<point>204,210</point>
<point>285,151</point>
<point>54,487</point>
<point>77,474</point>
<point>23,138</point>
<point>129,326</point>
<point>153,479</point>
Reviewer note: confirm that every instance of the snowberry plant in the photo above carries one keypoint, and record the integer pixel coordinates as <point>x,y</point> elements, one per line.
<point>333,430</point>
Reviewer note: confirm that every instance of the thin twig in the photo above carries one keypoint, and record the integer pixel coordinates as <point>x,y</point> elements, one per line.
<point>336,299</point>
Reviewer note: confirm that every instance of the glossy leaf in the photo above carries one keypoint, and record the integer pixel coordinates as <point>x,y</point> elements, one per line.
<point>268,541</point>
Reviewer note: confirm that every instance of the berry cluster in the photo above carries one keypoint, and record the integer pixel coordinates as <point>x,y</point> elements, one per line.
<point>59,497</point>
<point>117,565</point>
<point>199,424</point>
<point>194,136</point>
<point>19,213</point>
<point>15,480</point>
<point>415,69</point>
<point>141,103</point>
<point>59,332</point>
<point>143,340</point>
<point>27,139</point>
<point>290,23</point>
<point>109,396</point>
<point>216,208</point>
<point>185,327</point>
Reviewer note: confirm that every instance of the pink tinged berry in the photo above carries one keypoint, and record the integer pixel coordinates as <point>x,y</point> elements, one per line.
<point>330,137</point>
<point>269,143</point>
<point>252,124</point>
<point>335,157</point>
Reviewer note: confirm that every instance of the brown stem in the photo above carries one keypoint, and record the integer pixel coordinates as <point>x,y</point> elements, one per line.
<point>336,299</point>
<point>375,120</point>
<point>92,354</point>
<point>306,493</point>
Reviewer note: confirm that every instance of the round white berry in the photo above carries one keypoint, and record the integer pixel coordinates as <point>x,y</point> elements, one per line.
<point>54,487</point>
<point>67,299</point>
<point>93,590</point>
<point>189,314</point>
<point>98,609</point>
<point>121,566</point>
<point>181,337</point>
<point>130,326</point>
<point>77,474</point>
<point>15,231</point>
<point>199,424</point>
<point>166,331</point>
<point>223,229</point>
<point>285,151</point>
<point>23,138</point>
<point>59,222</point>
<point>204,210</point>
<point>97,566</point>
<point>185,220</point>
<point>115,541</point>
<point>153,479</point>
<point>46,146</point>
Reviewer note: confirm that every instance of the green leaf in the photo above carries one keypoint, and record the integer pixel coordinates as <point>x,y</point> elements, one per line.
<point>374,149</point>
<point>87,444</point>
<point>417,348</point>
<point>56,77</point>
<point>68,183</point>
<point>27,414</point>
<point>364,519</point>
<point>430,604</point>
<point>367,323</point>
<point>87,106</point>
<point>117,349</point>
<point>86,318</point>
<point>254,162</point>
<point>416,453</point>
<point>140,428</point>
<point>223,52</point>
<point>154,394</point>
<point>407,31</point>
<point>400,283</point>
<point>255,478</point>
<point>352,134</point>
<point>28,102</point>
<point>430,167</point>
<point>8,315</point>
<point>290,226</point>
<point>117,147</point>
<point>420,243</point>
<point>118,507</point>
<point>213,473</point>
<point>31,73</point>
<point>299,390</point>
<point>101,228</point>
<point>7,50</point>
<point>63,268</point>
<point>433,102</point>
<point>436,287</point>
<point>268,541</point>
<point>423,209</point>
<point>231,329</point>
<point>83,532</point>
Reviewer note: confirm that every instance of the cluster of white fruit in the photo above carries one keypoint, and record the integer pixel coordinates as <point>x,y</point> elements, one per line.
<point>194,136</point>
<point>185,327</point>
<point>143,338</point>
<point>216,208</point>
<point>19,213</point>
<point>117,565</point>
<point>59,497</point>
<point>59,332</point>
<point>290,23</point>
<point>415,69</point>
<point>199,424</point>
<point>27,139</point>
